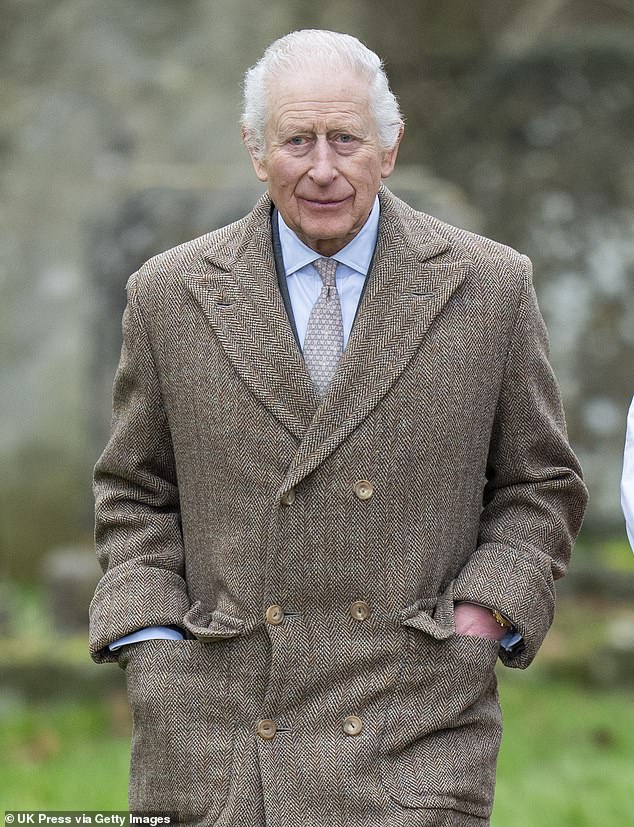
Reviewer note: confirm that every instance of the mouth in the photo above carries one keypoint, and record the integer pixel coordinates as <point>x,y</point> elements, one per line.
<point>325,203</point>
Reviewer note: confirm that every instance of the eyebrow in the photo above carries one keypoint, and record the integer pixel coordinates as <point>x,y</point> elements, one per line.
<point>345,129</point>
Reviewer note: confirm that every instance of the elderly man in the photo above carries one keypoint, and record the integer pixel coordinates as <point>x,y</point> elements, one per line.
<point>338,484</point>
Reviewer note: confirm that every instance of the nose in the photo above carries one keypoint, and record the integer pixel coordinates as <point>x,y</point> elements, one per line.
<point>323,170</point>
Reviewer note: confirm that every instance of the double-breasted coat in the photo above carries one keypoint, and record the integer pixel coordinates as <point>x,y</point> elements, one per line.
<point>313,550</point>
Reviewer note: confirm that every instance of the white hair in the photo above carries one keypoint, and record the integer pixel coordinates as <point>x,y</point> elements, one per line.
<point>315,49</point>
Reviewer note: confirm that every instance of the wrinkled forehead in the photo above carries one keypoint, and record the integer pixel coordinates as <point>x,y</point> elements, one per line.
<point>314,94</point>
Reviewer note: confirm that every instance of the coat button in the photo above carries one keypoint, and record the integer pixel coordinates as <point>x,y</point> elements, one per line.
<point>267,729</point>
<point>288,497</point>
<point>363,489</point>
<point>352,725</point>
<point>275,615</point>
<point>360,610</point>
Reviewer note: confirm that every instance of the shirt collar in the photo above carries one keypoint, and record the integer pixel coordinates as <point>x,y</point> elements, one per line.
<point>357,254</point>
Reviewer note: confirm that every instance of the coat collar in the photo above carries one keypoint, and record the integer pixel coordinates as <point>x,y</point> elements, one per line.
<point>235,284</point>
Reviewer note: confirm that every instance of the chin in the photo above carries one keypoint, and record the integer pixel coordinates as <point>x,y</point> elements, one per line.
<point>327,230</point>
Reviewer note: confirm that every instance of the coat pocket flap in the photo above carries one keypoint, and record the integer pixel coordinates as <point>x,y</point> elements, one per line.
<point>432,615</point>
<point>425,623</point>
<point>213,625</point>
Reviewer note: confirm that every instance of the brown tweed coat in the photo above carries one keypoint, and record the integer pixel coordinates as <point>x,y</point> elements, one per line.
<point>313,552</point>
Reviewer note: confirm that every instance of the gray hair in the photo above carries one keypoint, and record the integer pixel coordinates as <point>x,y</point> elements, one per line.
<point>318,49</point>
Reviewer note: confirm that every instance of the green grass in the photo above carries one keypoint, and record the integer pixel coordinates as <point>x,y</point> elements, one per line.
<point>566,758</point>
<point>601,551</point>
<point>64,756</point>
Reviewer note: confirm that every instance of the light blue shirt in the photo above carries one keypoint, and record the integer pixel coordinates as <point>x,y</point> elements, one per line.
<point>304,285</point>
<point>149,633</point>
<point>304,282</point>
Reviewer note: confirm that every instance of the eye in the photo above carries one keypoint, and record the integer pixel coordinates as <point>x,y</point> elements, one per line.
<point>344,139</point>
<point>297,140</point>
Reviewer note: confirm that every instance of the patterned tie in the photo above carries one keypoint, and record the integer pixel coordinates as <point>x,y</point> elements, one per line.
<point>323,343</point>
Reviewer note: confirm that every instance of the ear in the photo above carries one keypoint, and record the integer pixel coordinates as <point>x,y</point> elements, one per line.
<point>388,159</point>
<point>259,164</point>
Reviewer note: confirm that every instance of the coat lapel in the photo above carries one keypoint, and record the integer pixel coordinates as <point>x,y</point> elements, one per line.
<point>408,288</point>
<point>236,288</point>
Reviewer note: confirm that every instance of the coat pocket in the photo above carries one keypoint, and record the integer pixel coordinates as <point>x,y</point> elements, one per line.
<point>182,738</point>
<point>209,625</point>
<point>443,730</point>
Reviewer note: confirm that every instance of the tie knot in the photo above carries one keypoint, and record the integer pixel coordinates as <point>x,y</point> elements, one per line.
<point>326,268</point>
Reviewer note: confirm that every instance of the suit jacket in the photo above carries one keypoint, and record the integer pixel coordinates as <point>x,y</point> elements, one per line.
<point>314,551</point>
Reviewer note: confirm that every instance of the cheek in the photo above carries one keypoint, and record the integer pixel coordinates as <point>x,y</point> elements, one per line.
<point>366,178</point>
<point>285,173</point>
<point>366,186</point>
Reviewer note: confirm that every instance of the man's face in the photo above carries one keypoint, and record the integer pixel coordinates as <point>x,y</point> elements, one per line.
<point>322,162</point>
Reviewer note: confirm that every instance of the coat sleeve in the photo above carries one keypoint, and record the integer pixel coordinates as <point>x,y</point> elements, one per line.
<point>534,497</point>
<point>137,528</point>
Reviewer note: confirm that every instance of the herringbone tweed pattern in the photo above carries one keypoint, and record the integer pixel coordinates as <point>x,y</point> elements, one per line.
<point>436,468</point>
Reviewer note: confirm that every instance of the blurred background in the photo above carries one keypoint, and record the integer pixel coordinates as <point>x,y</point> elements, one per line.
<point>119,137</point>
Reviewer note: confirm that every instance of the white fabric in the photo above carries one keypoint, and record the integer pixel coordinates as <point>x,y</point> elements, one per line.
<point>627,480</point>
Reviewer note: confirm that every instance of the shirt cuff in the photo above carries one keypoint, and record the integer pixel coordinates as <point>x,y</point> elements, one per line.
<point>150,633</point>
